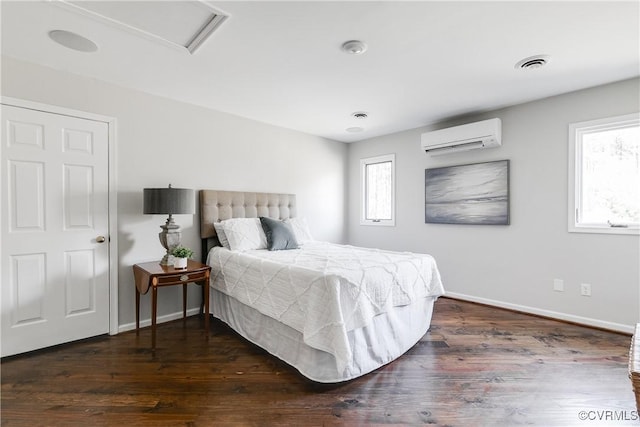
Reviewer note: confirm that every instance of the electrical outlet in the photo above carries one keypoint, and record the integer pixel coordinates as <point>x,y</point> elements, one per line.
<point>585,289</point>
<point>558,285</point>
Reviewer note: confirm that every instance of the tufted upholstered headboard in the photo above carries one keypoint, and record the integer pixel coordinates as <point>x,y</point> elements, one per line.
<point>220,205</point>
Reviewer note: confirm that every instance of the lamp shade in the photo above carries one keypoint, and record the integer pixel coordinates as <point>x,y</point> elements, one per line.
<point>169,201</point>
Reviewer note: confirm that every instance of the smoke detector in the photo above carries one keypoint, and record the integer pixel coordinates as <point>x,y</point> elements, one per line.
<point>359,115</point>
<point>532,62</point>
<point>354,47</point>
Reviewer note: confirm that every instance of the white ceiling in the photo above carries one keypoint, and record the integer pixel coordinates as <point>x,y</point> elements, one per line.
<point>281,63</point>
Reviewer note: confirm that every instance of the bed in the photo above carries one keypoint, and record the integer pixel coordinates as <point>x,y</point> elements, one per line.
<point>333,312</point>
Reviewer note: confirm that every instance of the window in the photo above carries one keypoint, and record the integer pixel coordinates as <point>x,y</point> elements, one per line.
<point>378,190</point>
<point>604,176</point>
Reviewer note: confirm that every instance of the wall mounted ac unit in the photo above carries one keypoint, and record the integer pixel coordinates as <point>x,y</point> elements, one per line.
<point>484,134</point>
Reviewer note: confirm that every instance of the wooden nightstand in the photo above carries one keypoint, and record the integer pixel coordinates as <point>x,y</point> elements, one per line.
<point>153,275</point>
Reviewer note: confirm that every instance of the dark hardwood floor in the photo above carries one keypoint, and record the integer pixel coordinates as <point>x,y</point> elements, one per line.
<point>478,366</point>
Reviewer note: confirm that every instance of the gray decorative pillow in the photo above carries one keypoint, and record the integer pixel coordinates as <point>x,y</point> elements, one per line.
<point>222,235</point>
<point>279,235</point>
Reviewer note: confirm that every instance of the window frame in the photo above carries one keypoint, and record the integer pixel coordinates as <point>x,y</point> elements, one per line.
<point>576,131</point>
<point>363,190</point>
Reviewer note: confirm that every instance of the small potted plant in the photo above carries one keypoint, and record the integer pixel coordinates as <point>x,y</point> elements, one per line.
<point>180,256</point>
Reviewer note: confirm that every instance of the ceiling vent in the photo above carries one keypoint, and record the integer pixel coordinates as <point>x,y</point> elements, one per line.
<point>532,62</point>
<point>155,20</point>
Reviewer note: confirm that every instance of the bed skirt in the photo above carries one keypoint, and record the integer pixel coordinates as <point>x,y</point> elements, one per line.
<point>389,336</point>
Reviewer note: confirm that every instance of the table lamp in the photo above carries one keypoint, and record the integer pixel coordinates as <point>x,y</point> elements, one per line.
<point>169,201</point>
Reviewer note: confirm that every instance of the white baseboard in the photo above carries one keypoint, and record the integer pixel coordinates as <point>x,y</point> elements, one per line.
<point>617,327</point>
<point>161,319</point>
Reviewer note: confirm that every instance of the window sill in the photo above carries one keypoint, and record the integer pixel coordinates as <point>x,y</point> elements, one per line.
<point>379,224</point>
<point>605,230</point>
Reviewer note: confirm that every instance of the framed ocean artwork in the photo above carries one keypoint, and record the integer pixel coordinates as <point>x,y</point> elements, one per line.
<point>475,193</point>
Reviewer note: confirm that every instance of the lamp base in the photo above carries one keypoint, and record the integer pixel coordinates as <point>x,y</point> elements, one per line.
<point>167,260</point>
<point>170,237</point>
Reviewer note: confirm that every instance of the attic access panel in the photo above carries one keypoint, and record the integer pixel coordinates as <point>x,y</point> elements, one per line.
<point>181,24</point>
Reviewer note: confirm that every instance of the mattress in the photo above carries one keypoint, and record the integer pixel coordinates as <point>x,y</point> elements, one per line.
<point>328,295</point>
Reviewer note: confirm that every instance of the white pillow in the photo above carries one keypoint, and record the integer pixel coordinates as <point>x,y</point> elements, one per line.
<point>244,234</point>
<point>222,235</point>
<point>300,229</point>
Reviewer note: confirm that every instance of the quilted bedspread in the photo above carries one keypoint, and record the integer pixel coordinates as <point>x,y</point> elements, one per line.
<point>324,290</point>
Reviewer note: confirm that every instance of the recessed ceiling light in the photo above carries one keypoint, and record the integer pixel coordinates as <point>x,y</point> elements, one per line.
<point>73,41</point>
<point>354,129</point>
<point>354,47</point>
<point>532,62</point>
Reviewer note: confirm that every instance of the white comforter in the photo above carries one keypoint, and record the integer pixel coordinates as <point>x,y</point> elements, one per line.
<point>324,290</point>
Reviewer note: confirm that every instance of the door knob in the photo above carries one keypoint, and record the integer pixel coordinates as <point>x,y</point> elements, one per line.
<point>100,239</point>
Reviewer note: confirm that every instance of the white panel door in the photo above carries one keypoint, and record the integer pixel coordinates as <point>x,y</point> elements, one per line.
<point>55,264</point>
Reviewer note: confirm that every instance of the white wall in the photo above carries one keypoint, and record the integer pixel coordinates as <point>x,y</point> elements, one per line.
<point>160,141</point>
<point>514,266</point>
